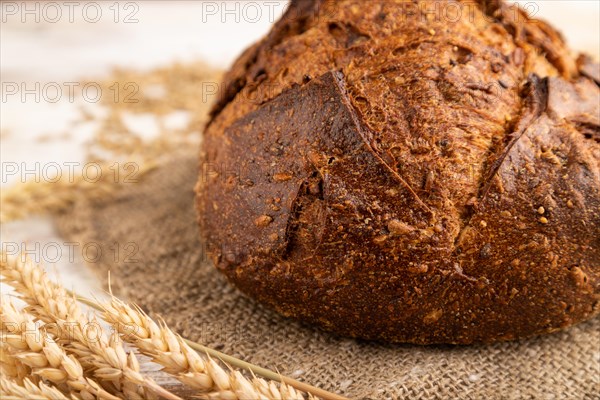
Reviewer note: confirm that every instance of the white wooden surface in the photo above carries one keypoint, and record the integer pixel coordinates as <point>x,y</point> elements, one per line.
<point>147,34</point>
<point>65,51</point>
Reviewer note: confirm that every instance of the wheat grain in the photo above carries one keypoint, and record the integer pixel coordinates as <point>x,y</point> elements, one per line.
<point>106,359</point>
<point>158,342</point>
<point>38,351</point>
<point>180,360</point>
<point>45,299</point>
<point>28,390</point>
<point>11,367</point>
<point>235,386</point>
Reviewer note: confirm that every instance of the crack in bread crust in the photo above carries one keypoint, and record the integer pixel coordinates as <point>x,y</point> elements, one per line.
<point>534,105</point>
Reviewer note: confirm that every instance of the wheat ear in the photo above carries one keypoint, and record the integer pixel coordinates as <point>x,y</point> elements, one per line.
<point>10,366</point>
<point>235,386</point>
<point>107,360</point>
<point>10,390</point>
<point>180,360</point>
<point>34,348</point>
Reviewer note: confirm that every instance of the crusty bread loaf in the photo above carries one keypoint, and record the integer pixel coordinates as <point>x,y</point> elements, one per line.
<point>423,172</point>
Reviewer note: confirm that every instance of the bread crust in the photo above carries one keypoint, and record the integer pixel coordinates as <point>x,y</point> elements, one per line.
<point>390,176</point>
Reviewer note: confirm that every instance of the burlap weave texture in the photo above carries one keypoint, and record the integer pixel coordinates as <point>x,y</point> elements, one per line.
<point>169,274</point>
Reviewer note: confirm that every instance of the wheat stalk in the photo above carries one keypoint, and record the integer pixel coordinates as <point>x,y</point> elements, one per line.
<point>10,390</point>
<point>179,356</point>
<point>107,360</point>
<point>45,358</point>
<point>113,141</point>
<point>54,196</point>
<point>290,388</point>
<point>158,342</point>
<point>180,360</point>
<point>38,197</point>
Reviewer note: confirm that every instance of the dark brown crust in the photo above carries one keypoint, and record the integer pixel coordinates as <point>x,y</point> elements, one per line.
<point>246,69</point>
<point>412,182</point>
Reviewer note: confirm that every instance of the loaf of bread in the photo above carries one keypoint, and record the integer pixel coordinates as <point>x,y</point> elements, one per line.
<point>409,171</point>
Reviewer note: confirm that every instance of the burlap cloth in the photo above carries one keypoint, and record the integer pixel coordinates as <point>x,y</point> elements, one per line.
<point>170,275</point>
